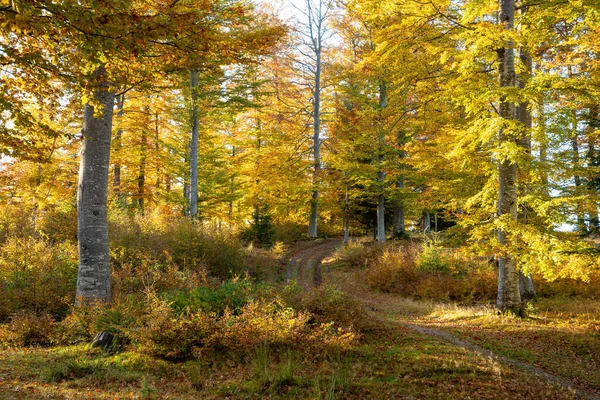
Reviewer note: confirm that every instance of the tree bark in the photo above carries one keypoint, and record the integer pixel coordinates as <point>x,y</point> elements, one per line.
<point>93,276</point>
<point>580,215</point>
<point>509,297</point>
<point>314,203</point>
<point>381,173</point>
<point>193,188</point>
<point>399,223</point>
<point>141,179</point>
<point>593,160</point>
<point>317,15</point>
<point>347,215</point>
<point>117,168</point>
<point>523,114</point>
<point>426,222</point>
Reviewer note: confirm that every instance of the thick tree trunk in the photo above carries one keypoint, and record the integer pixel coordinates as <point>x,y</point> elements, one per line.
<point>526,288</point>
<point>117,168</point>
<point>193,188</point>
<point>93,276</point>
<point>509,298</point>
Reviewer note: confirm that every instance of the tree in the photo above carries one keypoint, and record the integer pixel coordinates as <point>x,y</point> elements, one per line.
<point>93,277</point>
<point>314,32</point>
<point>99,48</point>
<point>509,297</point>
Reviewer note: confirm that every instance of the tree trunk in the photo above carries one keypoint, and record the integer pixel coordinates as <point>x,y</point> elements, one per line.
<point>581,226</point>
<point>426,222</point>
<point>347,215</point>
<point>117,168</point>
<point>193,188</point>
<point>593,160</point>
<point>543,155</point>
<point>399,223</point>
<point>314,203</point>
<point>381,213</point>
<point>157,149</point>
<point>509,298</point>
<point>141,179</point>
<point>381,173</point>
<point>523,114</point>
<point>526,288</point>
<point>93,276</point>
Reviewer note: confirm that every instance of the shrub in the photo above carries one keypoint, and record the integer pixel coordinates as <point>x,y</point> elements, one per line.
<point>167,335</point>
<point>231,295</point>
<point>122,317</point>
<point>262,323</point>
<point>431,272</point>
<point>162,242</point>
<point>261,231</point>
<point>37,276</point>
<point>432,260</point>
<point>356,254</point>
<point>28,330</point>
<point>327,305</point>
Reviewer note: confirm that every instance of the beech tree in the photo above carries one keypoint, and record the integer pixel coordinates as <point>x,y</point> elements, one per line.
<point>96,46</point>
<point>313,32</point>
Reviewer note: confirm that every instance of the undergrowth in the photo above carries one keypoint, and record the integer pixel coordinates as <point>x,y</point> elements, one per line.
<point>428,270</point>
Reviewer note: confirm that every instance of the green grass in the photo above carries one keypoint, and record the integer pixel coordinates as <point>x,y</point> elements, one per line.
<point>388,363</point>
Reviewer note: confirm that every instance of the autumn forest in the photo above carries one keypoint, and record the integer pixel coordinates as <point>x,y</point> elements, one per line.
<point>311,199</point>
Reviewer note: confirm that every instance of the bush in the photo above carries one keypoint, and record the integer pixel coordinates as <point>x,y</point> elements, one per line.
<point>356,254</point>
<point>327,305</point>
<point>28,330</point>
<point>260,323</point>
<point>231,295</point>
<point>165,334</point>
<point>431,272</point>
<point>264,322</point>
<point>432,260</point>
<point>178,244</point>
<point>261,231</point>
<point>37,277</point>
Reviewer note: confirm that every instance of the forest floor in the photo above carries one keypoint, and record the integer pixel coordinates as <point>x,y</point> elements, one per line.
<point>413,350</point>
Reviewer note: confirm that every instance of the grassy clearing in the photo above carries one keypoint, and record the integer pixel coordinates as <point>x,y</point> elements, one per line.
<point>389,363</point>
<point>561,335</point>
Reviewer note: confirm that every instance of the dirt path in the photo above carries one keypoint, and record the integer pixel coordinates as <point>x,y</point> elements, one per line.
<point>306,265</point>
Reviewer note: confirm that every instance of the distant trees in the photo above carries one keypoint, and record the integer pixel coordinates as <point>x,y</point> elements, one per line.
<point>480,114</point>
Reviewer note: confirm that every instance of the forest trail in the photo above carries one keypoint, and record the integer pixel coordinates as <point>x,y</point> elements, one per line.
<point>306,267</point>
<point>305,264</point>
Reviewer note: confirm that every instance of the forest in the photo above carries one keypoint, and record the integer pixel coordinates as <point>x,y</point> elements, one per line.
<point>300,199</point>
